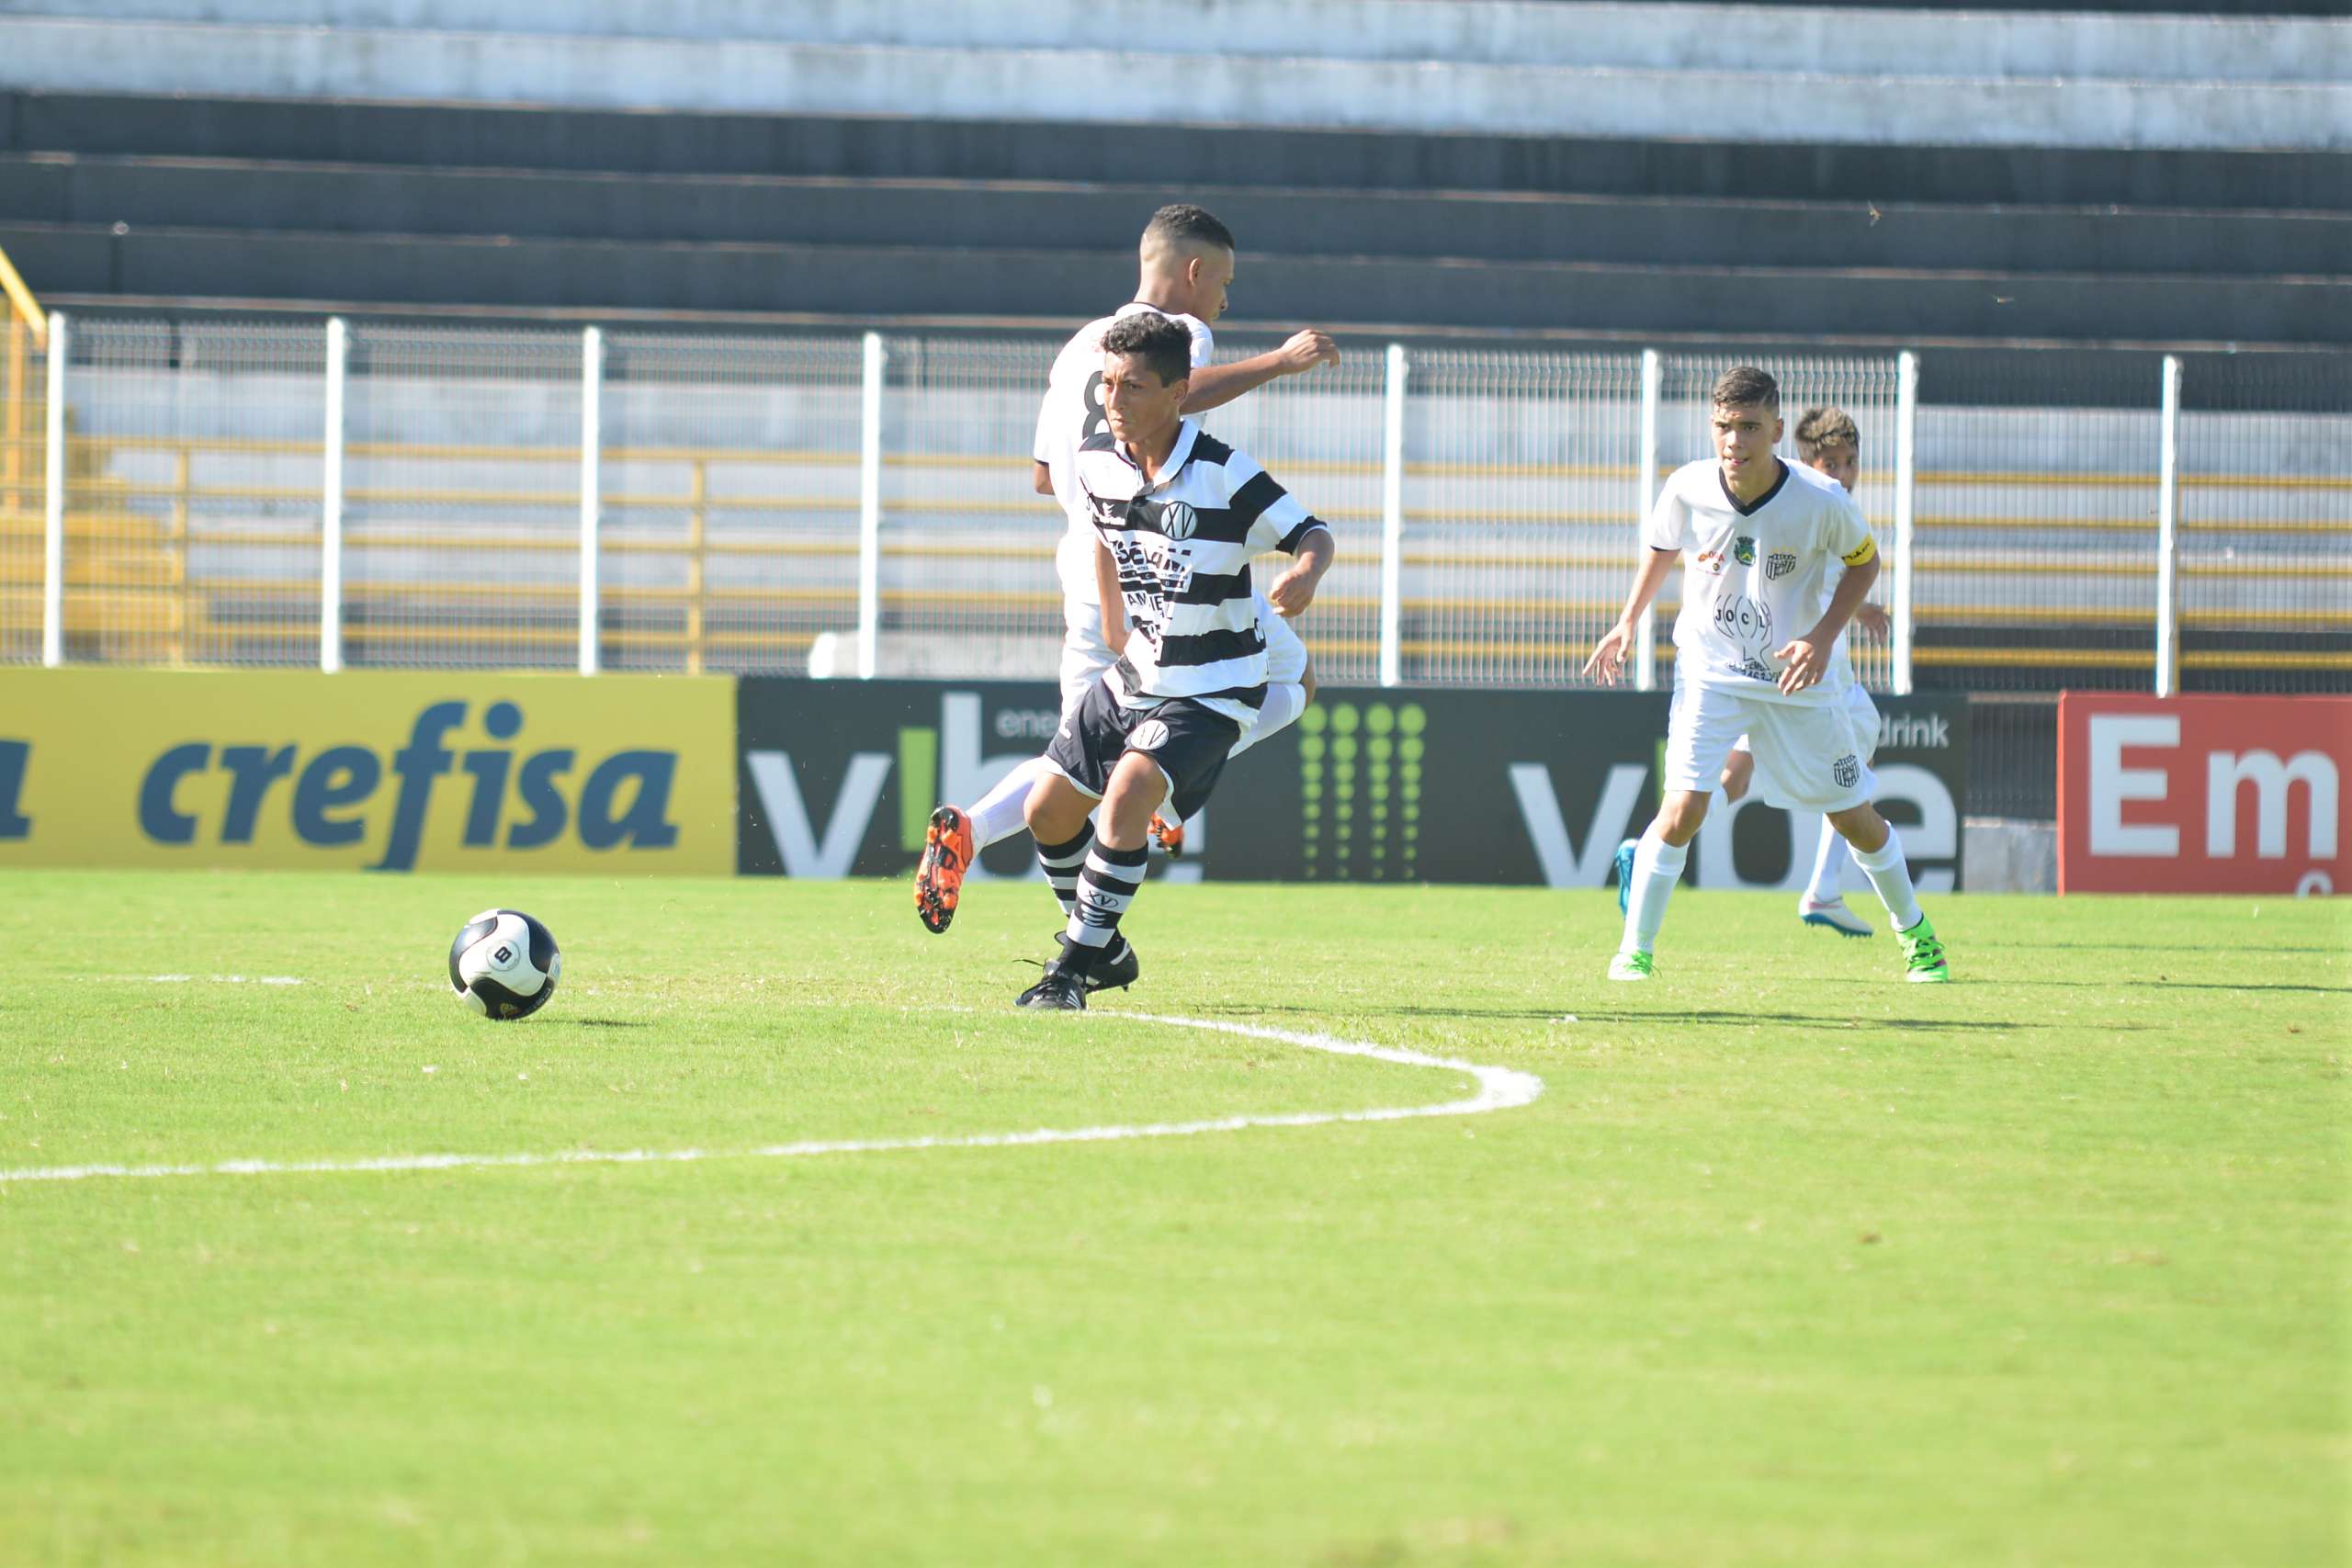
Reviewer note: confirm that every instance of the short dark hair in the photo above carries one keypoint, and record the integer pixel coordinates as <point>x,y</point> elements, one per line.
<point>1744,385</point>
<point>1821,429</point>
<point>1156,340</point>
<point>1181,223</point>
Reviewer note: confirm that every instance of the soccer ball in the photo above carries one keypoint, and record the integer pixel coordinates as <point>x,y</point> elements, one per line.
<point>504,964</point>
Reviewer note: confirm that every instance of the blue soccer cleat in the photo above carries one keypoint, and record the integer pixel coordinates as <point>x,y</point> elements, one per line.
<point>1625,872</point>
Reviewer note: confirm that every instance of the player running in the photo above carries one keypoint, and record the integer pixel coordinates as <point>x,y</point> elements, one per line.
<point>1186,269</point>
<point>1766,545</point>
<point>1178,517</point>
<point>1828,443</point>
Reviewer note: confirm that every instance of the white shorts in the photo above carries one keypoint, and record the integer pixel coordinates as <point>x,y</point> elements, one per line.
<point>1808,756</point>
<point>1085,655</point>
<point>1860,712</point>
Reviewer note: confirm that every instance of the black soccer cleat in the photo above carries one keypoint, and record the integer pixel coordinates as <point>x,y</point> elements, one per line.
<point>1116,967</point>
<point>1061,989</point>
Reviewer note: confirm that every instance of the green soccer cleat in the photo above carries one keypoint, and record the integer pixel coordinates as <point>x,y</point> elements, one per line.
<point>1923,955</point>
<point>1630,966</point>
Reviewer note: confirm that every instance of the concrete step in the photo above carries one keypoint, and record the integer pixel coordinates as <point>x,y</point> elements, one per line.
<point>343,198</point>
<point>1894,41</point>
<point>877,283</point>
<point>1779,95</point>
<point>1172,158</point>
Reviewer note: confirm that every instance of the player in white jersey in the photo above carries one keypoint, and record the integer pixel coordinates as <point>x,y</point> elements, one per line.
<point>1828,443</point>
<point>1779,560</point>
<point>1186,267</point>
<point>1178,517</point>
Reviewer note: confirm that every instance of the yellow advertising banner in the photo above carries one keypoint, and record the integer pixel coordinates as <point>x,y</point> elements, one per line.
<point>381,771</point>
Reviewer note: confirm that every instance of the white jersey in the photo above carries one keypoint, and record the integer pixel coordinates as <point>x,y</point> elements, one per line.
<point>1756,576</point>
<point>1071,413</point>
<point>1182,545</point>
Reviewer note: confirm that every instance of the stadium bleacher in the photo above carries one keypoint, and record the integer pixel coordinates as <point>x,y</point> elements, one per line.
<point>2148,179</point>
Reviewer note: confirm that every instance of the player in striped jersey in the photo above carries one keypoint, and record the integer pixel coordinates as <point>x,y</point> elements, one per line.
<point>1177,516</point>
<point>1186,267</point>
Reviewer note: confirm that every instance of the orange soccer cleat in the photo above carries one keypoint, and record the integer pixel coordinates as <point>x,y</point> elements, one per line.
<point>939,875</point>
<point>1169,836</point>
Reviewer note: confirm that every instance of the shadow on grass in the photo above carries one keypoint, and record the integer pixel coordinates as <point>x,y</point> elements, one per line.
<point>2246,987</point>
<point>603,1023</point>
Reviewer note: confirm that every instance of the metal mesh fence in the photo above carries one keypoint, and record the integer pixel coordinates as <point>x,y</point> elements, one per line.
<point>729,537</point>
<point>2037,525</point>
<point>1521,506</point>
<point>462,527</point>
<point>2265,524</point>
<point>967,580</point>
<point>1319,435</point>
<point>193,481</point>
<point>730,499</point>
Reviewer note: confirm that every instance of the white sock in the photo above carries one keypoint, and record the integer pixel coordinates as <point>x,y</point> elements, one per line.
<point>1829,884</point>
<point>1892,877</point>
<point>997,816</point>
<point>1285,700</point>
<point>1658,866</point>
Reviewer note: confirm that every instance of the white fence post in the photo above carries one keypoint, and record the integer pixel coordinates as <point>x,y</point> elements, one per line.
<point>1392,523</point>
<point>870,511</point>
<point>591,495</point>
<point>1906,484</point>
<point>52,565</point>
<point>330,503</point>
<point>2169,538</point>
<point>1645,491</point>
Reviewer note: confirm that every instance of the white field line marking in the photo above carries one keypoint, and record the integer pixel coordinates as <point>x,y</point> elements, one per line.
<point>1499,1089</point>
<point>226,980</point>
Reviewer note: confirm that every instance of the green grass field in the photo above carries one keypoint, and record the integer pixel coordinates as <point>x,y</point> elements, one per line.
<point>1789,1263</point>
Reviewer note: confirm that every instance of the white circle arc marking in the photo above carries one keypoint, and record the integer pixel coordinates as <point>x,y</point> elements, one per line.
<point>1499,1089</point>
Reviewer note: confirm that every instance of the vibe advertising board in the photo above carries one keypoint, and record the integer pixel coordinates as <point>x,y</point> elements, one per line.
<point>380,771</point>
<point>2203,794</point>
<point>838,779</point>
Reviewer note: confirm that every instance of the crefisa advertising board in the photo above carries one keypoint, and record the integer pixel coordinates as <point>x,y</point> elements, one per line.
<point>839,779</point>
<point>818,779</point>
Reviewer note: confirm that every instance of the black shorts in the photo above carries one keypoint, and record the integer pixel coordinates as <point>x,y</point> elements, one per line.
<point>1189,743</point>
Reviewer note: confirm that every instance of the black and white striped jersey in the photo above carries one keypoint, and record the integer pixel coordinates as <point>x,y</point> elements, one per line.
<point>1183,547</point>
<point>1072,411</point>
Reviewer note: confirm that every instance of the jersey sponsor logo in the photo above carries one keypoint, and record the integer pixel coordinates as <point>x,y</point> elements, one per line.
<point>1148,735</point>
<point>1743,550</point>
<point>1755,669</point>
<point>1712,560</point>
<point>1744,620</point>
<point>1778,564</point>
<point>1847,771</point>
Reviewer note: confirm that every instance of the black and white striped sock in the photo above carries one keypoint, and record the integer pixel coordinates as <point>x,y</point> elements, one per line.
<point>1062,862</point>
<point>1107,886</point>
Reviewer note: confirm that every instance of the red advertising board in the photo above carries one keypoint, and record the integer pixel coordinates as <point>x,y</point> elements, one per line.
<point>2203,794</point>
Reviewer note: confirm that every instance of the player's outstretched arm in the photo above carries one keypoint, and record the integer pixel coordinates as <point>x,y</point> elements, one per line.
<point>1608,660</point>
<point>1294,590</point>
<point>1041,477</point>
<point>1214,386</point>
<point>1113,599</point>
<point>1805,659</point>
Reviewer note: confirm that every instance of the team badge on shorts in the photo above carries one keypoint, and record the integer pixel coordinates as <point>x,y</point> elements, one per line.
<point>1152,734</point>
<point>1743,550</point>
<point>1847,771</point>
<point>1778,564</point>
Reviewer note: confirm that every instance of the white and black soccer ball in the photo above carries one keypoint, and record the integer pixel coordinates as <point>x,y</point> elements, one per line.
<point>504,964</point>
